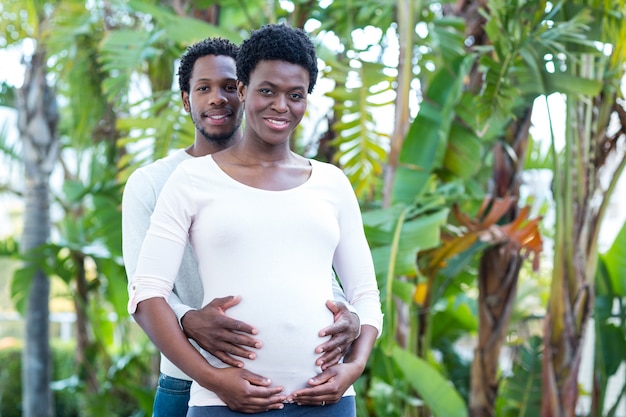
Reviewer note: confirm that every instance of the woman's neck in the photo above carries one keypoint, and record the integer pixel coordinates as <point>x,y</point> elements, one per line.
<point>265,156</point>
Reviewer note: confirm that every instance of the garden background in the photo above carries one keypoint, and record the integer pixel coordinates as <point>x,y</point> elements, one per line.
<point>484,139</point>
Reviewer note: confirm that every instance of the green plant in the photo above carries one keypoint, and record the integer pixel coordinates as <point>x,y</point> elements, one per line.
<point>127,391</point>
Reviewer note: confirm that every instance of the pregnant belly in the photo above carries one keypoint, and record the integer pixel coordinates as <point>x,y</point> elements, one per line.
<point>289,333</point>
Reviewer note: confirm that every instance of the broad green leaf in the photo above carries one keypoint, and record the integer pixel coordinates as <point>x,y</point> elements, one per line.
<point>183,30</point>
<point>464,152</point>
<point>20,287</point>
<point>435,390</point>
<point>615,261</point>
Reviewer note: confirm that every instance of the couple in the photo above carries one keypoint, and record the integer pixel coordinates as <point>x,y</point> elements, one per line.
<point>264,224</point>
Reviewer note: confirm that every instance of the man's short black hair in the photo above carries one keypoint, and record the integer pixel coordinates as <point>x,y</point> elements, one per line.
<point>209,46</point>
<point>277,42</point>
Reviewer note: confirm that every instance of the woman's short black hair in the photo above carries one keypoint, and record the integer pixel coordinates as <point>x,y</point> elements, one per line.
<point>209,46</point>
<point>277,42</point>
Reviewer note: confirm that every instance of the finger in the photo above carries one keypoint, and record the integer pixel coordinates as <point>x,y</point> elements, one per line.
<point>226,322</point>
<point>316,381</point>
<point>224,303</point>
<point>341,341</point>
<point>225,339</point>
<point>228,360</point>
<point>274,404</point>
<point>337,328</point>
<point>339,325</point>
<point>311,398</point>
<point>261,381</point>
<point>335,307</point>
<point>227,343</point>
<point>330,358</point>
<point>259,405</point>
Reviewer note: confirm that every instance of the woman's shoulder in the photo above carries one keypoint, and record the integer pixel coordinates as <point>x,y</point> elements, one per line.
<point>327,169</point>
<point>197,165</point>
<point>326,166</point>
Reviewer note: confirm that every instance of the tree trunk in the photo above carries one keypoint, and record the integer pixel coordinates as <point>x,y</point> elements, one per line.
<point>498,273</point>
<point>499,266</point>
<point>405,13</point>
<point>37,121</point>
<point>497,283</point>
<point>582,194</point>
<point>86,361</point>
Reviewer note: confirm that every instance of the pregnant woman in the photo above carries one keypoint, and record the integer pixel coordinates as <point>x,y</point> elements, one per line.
<point>269,225</point>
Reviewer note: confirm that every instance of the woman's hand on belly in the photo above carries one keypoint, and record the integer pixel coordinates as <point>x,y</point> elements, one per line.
<point>246,392</point>
<point>329,386</point>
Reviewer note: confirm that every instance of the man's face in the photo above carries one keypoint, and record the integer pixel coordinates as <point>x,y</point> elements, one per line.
<point>212,100</point>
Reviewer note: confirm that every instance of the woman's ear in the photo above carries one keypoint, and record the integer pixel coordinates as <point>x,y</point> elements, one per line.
<point>185,97</point>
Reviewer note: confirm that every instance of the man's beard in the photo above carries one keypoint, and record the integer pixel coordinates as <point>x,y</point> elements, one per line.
<point>218,139</point>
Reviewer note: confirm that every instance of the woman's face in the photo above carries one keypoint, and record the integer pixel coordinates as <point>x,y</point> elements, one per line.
<point>275,100</point>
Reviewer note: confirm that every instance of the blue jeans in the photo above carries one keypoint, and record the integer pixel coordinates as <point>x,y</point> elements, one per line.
<point>172,397</point>
<point>346,407</point>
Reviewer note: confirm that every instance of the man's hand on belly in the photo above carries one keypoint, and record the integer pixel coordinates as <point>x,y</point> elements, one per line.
<point>343,332</point>
<point>220,335</point>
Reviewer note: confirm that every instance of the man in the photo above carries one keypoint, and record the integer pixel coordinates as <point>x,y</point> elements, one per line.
<point>207,80</point>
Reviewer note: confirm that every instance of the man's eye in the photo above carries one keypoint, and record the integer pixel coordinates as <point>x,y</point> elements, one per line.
<point>265,91</point>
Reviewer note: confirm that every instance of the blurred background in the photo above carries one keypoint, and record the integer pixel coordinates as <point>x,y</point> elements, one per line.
<point>484,139</point>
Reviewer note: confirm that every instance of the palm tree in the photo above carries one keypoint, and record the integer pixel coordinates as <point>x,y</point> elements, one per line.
<point>581,197</point>
<point>38,118</point>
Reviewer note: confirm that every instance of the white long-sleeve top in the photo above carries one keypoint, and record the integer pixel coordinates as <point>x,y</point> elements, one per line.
<point>274,248</point>
<point>139,199</point>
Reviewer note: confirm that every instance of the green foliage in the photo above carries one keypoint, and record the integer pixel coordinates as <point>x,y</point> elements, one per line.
<point>343,18</point>
<point>437,141</point>
<point>515,70</point>
<point>610,318</point>
<point>361,146</point>
<point>10,382</point>
<point>122,53</point>
<point>127,392</point>
<point>15,25</point>
<point>520,392</point>
<point>99,54</point>
<point>436,392</point>
<point>159,125</point>
<point>180,29</point>
<point>7,95</point>
<point>73,42</point>
<point>396,236</point>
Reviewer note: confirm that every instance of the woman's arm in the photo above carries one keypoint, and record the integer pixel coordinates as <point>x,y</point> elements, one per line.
<point>240,389</point>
